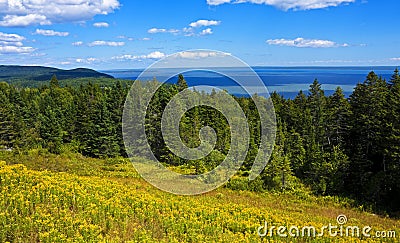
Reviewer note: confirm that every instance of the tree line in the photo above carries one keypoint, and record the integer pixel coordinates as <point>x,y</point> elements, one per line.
<point>333,144</point>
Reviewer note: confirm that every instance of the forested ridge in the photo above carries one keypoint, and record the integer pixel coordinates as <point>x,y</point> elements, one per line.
<point>333,144</point>
<point>38,73</point>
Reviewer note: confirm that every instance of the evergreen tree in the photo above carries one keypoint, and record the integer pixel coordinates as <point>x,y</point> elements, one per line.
<point>367,138</point>
<point>54,82</point>
<point>278,170</point>
<point>182,85</point>
<point>333,144</point>
<point>297,153</point>
<point>338,114</point>
<point>7,132</point>
<point>392,176</point>
<point>50,130</point>
<point>317,106</point>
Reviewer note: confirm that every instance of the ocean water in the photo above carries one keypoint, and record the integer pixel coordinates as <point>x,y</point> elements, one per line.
<point>287,81</point>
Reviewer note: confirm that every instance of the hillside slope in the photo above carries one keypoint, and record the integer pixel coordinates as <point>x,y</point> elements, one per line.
<point>38,73</point>
<point>105,201</point>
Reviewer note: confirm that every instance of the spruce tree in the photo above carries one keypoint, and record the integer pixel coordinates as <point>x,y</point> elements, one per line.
<point>338,113</point>
<point>367,138</point>
<point>54,82</point>
<point>182,85</point>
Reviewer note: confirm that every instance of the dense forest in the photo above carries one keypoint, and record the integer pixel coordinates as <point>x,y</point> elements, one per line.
<point>332,144</point>
<point>38,73</point>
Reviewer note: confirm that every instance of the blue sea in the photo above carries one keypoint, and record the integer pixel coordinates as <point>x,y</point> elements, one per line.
<point>287,81</point>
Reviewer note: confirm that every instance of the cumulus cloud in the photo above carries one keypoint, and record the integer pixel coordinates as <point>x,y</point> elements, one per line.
<point>156,30</point>
<point>288,4</point>
<point>395,59</point>
<point>11,37</point>
<point>51,33</point>
<point>204,23</point>
<point>22,21</point>
<point>106,43</point>
<point>153,55</point>
<point>12,44</point>
<point>303,43</point>
<point>20,13</point>
<point>101,25</point>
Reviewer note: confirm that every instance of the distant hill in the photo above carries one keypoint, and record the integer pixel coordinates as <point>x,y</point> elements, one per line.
<point>38,73</point>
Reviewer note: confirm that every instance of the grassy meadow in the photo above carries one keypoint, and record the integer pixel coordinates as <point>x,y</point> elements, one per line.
<point>71,198</point>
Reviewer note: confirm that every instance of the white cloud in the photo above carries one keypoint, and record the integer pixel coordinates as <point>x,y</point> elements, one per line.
<point>133,39</point>
<point>19,13</point>
<point>92,59</point>
<point>12,44</point>
<point>51,33</point>
<point>204,23</point>
<point>78,43</point>
<point>106,43</point>
<point>301,42</point>
<point>16,49</point>
<point>288,4</point>
<point>101,25</point>
<point>38,54</point>
<point>124,57</point>
<point>207,31</point>
<point>22,21</point>
<point>156,30</point>
<point>395,59</point>
<point>217,2</point>
<point>125,37</point>
<point>88,60</point>
<point>200,54</point>
<point>153,55</point>
<point>190,30</point>
<point>11,37</point>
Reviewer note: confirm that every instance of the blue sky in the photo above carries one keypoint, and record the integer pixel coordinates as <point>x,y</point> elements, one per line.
<point>122,34</point>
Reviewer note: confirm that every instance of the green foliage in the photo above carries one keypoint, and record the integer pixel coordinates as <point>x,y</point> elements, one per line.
<point>54,82</point>
<point>182,85</point>
<point>29,76</point>
<point>333,145</point>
